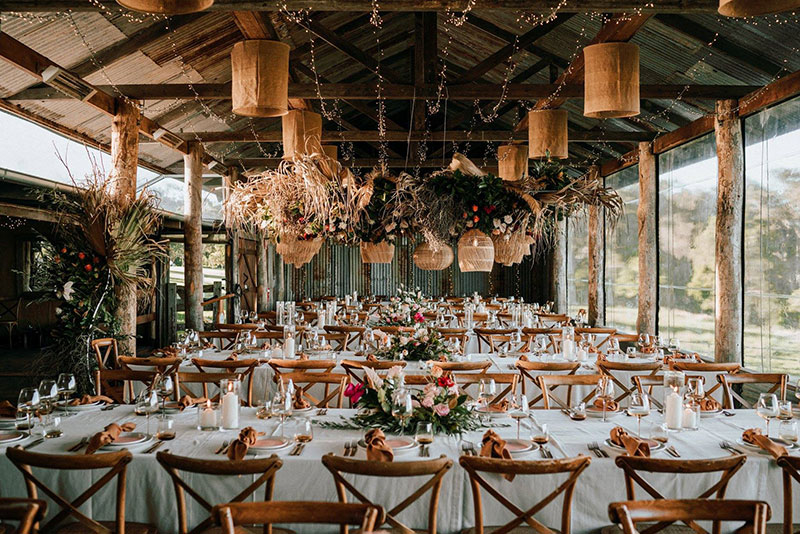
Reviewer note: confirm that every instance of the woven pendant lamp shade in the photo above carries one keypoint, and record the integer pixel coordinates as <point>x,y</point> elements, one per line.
<point>512,162</point>
<point>475,252</point>
<point>382,252</point>
<point>611,82</point>
<point>296,252</point>
<point>430,258</point>
<point>260,78</point>
<point>166,7</point>
<point>332,151</point>
<point>753,8</point>
<point>547,133</point>
<point>302,131</point>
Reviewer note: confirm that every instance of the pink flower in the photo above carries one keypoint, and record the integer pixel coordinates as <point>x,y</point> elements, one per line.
<point>418,317</point>
<point>354,392</point>
<point>441,410</point>
<point>427,401</point>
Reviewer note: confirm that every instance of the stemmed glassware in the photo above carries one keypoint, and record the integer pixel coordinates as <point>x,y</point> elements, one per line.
<point>673,345</point>
<point>28,403</point>
<point>165,388</point>
<point>520,411</point>
<point>48,394</point>
<point>639,407</point>
<point>695,389</point>
<point>66,387</point>
<point>147,403</point>
<point>767,407</point>
<point>605,392</point>
<point>402,406</point>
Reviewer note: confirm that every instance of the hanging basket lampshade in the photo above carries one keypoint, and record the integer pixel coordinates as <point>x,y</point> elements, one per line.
<point>754,8</point>
<point>547,133</point>
<point>475,252</point>
<point>431,258</point>
<point>297,252</point>
<point>382,252</point>
<point>332,151</point>
<point>510,251</point>
<point>512,162</point>
<point>611,81</point>
<point>260,78</point>
<point>302,131</point>
<point>166,7</point>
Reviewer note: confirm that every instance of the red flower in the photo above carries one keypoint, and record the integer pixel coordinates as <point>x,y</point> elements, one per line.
<point>418,317</point>
<point>81,255</point>
<point>96,259</point>
<point>354,392</point>
<point>476,219</point>
<point>445,381</point>
<point>88,267</point>
<point>474,207</point>
<point>58,259</point>
<point>64,250</point>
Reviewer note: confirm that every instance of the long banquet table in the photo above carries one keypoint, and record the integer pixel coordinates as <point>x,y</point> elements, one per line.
<point>151,498</point>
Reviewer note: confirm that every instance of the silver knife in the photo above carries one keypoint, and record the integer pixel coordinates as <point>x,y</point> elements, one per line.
<point>33,444</point>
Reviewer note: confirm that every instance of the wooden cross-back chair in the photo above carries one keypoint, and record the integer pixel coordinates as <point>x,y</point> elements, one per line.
<point>707,367</point>
<point>435,469</point>
<point>552,334</point>
<point>165,366</point>
<point>477,317</point>
<point>506,383</point>
<point>775,381</point>
<point>268,338</point>
<point>306,374</point>
<point>609,368</point>
<point>269,316</point>
<point>606,333</point>
<point>232,516</point>
<point>355,369</point>
<point>116,464</point>
<point>396,330</point>
<point>627,514</point>
<point>337,340</point>
<point>476,466</point>
<point>456,370</point>
<point>261,469</point>
<point>355,334</point>
<point>528,368</point>
<point>455,334</point>
<point>24,512</point>
<point>484,336</point>
<point>501,342</point>
<point>648,383</point>
<point>242,368</point>
<point>633,467</point>
<point>204,379</point>
<point>548,384</point>
<point>106,352</point>
<point>224,339</point>
<point>791,471</point>
<point>626,338</point>
<point>556,318</point>
<point>118,384</point>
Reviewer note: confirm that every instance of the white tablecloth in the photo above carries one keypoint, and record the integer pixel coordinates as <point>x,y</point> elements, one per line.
<point>151,498</point>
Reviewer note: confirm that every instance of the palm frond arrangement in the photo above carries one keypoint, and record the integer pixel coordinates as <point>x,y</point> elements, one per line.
<point>383,218</point>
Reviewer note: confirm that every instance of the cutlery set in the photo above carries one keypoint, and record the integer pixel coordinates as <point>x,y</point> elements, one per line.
<point>350,448</point>
<point>298,449</point>
<point>595,448</point>
<point>728,446</point>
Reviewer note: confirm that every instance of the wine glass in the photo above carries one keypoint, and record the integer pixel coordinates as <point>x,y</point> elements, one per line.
<point>639,407</point>
<point>605,392</point>
<point>402,407</point>
<point>674,346</point>
<point>695,388</point>
<point>48,394</point>
<point>253,316</point>
<point>520,411</point>
<point>66,387</point>
<point>165,388</point>
<point>28,403</point>
<point>767,407</point>
<point>146,404</point>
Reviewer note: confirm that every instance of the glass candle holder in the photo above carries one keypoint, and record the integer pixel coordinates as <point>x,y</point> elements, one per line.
<point>230,403</point>
<point>691,415</point>
<point>208,417</point>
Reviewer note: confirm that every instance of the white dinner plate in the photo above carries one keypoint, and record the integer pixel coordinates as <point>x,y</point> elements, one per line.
<point>756,448</point>
<point>82,407</point>
<point>521,446</point>
<point>654,445</point>
<point>591,411</point>
<point>7,423</point>
<point>304,410</point>
<point>127,439</point>
<point>398,444</point>
<point>11,436</point>
<point>709,414</point>
<point>272,443</point>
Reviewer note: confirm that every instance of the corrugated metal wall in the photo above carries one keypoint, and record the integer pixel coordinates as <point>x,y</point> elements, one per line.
<point>337,270</point>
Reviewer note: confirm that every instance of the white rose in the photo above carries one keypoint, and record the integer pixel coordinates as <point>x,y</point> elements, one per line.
<point>67,291</point>
<point>507,219</point>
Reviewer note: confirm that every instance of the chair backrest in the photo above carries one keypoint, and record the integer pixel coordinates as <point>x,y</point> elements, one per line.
<point>500,342</point>
<point>354,333</point>
<point>204,379</point>
<point>107,382</point>
<point>777,381</point>
<point>549,383</point>
<point>232,515</point>
<point>236,327</point>
<point>626,514</point>
<point>115,462</point>
<point>609,368</point>
<point>484,335</point>
<point>791,470</point>
<point>633,467</point>
<point>25,512</point>
<point>337,340</point>
<point>602,335</point>
<point>465,367</point>
<point>167,365</point>
<point>646,384</point>
<point>226,339</point>
<point>435,469</point>
<point>355,369</point>
<point>717,368</point>
<point>476,466</point>
<point>244,368</point>
<point>455,334</point>
<point>105,352</point>
<point>306,382</point>
<point>530,372</point>
<point>262,469</point>
<point>465,381</point>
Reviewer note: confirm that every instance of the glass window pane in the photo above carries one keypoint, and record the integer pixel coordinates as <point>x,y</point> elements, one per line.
<point>577,263</point>
<point>622,254</point>
<point>772,239</point>
<point>687,205</point>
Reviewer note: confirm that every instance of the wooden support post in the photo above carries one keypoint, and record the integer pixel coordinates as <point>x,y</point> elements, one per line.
<point>232,252</point>
<point>261,273</point>
<point>558,267</point>
<point>596,310</point>
<point>730,209</point>
<point>193,236</point>
<point>648,253</point>
<point>124,163</point>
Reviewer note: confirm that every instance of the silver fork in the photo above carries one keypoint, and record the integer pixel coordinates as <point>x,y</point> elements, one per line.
<point>729,447</point>
<point>222,447</point>
<point>78,446</point>
<point>546,452</point>
<point>346,448</point>
<point>353,448</point>
<point>673,451</point>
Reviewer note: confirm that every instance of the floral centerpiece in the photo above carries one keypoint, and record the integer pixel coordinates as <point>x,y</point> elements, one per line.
<point>439,403</point>
<point>405,309</point>
<point>421,345</point>
<point>382,220</point>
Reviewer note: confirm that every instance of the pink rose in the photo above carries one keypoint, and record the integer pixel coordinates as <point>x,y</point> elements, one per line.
<point>427,401</point>
<point>418,317</point>
<point>441,410</point>
<point>354,392</point>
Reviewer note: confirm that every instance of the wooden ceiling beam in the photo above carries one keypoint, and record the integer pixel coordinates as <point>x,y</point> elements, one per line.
<point>368,91</point>
<point>528,6</point>
<point>599,136</point>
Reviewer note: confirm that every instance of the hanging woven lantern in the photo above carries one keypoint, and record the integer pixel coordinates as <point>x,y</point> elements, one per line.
<point>547,133</point>
<point>302,131</point>
<point>430,258</point>
<point>260,78</point>
<point>512,162</point>
<point>297,252</point>
<point>166,7</point>
<point>611,81</point>
<point>475,252</point>
<point>332,151</point>
<point>753,8</point>
<point>382,252</point>
<point>509,250</point>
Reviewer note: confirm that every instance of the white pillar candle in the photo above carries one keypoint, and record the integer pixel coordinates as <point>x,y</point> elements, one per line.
<point>321,320</point>
<point>689,418</point>
<point>673,408</point>
<point>288,348</point>
<point>208,418</point>
<point>567,349</point>
<point>347,300</point>
<point>230,410</point>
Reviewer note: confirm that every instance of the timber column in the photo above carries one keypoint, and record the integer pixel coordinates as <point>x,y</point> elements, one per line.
<point>124,164</point>
<point>596,311</point>
<point>231,252</point>
<point>730,209</point>
<point>193,235</point>
<point>648,258</point>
